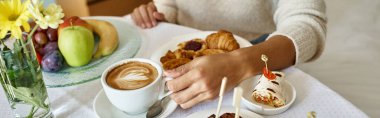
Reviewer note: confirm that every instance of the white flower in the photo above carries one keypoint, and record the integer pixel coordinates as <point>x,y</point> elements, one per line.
<point>49,17</point>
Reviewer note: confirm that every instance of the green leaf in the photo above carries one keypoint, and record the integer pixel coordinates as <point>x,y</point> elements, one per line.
<point>35,96</point>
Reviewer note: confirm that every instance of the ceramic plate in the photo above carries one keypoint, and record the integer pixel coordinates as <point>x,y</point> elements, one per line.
<point>206,113</point>
<point>104,108</point>
<point>172,44</point>
<point>248,86</point>
<point>129,44</point>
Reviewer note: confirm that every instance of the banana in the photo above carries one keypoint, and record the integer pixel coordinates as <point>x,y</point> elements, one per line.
<point>109,39</point>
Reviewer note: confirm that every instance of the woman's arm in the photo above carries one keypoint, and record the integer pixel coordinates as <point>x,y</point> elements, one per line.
<point>303,22</point>
<point>279,49</point>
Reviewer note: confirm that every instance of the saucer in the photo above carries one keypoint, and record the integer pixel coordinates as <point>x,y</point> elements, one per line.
<point>104,109</point>
<point>248,86</point>
<point>206,113</point>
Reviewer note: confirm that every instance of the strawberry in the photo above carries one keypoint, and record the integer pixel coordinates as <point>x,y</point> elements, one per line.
<point>268,74</point>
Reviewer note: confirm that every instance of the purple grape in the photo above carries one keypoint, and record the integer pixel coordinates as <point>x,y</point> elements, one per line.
<point>52,61</point>
<point>52,34</point>
<point>49,47</point>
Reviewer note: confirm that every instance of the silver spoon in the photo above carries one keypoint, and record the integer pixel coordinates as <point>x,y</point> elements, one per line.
<point>156,109</point>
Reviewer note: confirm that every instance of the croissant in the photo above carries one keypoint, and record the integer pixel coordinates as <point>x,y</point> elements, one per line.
<point>194,45</point>
<point>222,40</point>
<point>209,52</point>
<point>174,63</point>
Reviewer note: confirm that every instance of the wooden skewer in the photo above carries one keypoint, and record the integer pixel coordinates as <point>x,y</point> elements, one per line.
<point>265,59</point>
<point>238,92</point>
<point>222,88</point>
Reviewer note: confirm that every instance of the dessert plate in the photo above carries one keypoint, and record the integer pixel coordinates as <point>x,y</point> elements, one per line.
<point>206,113</point>
<point>129,44</point>
<point>104,108</point>
<point>172,44</point>
<point>248,86</point>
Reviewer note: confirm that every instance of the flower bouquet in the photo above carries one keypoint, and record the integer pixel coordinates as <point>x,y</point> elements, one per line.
<point>21,76</point>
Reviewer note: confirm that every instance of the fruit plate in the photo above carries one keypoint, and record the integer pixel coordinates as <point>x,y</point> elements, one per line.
<point>129,44</point>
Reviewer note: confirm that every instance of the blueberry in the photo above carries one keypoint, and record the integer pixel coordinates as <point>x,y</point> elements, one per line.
<point>52,61</point>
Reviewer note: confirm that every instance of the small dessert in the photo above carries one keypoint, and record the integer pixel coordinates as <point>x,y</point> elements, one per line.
<point>223,40</point>
<point>269,87</point>
<point>225,115</point>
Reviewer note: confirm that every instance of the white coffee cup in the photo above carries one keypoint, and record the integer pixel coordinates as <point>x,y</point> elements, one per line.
<point>138,100</point>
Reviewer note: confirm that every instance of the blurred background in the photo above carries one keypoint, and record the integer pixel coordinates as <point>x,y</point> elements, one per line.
<point>99,7</point>
<point>349,64</point>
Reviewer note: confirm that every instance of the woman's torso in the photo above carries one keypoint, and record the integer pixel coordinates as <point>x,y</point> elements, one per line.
<point>247,18</point>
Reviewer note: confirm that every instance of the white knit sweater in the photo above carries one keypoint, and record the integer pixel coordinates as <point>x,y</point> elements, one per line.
<point>302,21</point>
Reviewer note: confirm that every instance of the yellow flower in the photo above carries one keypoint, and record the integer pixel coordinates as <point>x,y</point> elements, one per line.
<point>13,15</point>
<point>49,17</point>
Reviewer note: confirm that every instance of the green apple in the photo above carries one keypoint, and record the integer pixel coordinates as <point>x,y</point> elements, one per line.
<point>76,44</point>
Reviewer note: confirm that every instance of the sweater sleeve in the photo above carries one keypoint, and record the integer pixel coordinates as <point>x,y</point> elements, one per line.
<point>168,8</point>
<point>304,22</point>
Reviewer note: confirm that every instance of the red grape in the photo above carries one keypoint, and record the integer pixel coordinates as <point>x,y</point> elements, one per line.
<point>39,29</point>
<point>52,34</point>
<point>40,38</point>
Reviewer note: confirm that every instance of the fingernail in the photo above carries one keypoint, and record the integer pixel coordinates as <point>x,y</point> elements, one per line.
<point>142,25</point>
<point>149,25</point>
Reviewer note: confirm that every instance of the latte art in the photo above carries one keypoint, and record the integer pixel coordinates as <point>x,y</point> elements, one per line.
<point>132,75</point>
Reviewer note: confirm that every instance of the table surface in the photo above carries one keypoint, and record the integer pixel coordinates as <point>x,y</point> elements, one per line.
<point>76,101</point>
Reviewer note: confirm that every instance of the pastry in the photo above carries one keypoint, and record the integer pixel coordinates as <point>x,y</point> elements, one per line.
<point>225,115</point>
<point>269,91</point>
<point>222,40</point>
<point>209,52</point>
<point>269,87</point>
<point>181,53</point>
<point>174,63</point>
<point>168,56</point>
<point>216,43</point>
<point>194,45</point>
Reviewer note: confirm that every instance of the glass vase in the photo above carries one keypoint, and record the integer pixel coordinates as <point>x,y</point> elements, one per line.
<point>21,79</point>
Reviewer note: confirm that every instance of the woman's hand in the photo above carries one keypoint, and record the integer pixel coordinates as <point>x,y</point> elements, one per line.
<point>200,79</point>
<point>147,16</point>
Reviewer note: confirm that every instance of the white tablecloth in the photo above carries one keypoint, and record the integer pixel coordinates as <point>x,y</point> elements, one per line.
<point>76,101</point>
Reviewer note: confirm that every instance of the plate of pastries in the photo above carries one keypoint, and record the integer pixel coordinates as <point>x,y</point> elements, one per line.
<point>185,48</point>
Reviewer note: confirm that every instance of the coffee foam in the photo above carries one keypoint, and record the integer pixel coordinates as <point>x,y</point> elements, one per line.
<point>131,75</point>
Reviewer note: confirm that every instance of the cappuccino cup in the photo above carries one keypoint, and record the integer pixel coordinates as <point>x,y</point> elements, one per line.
<point>133,85</point>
